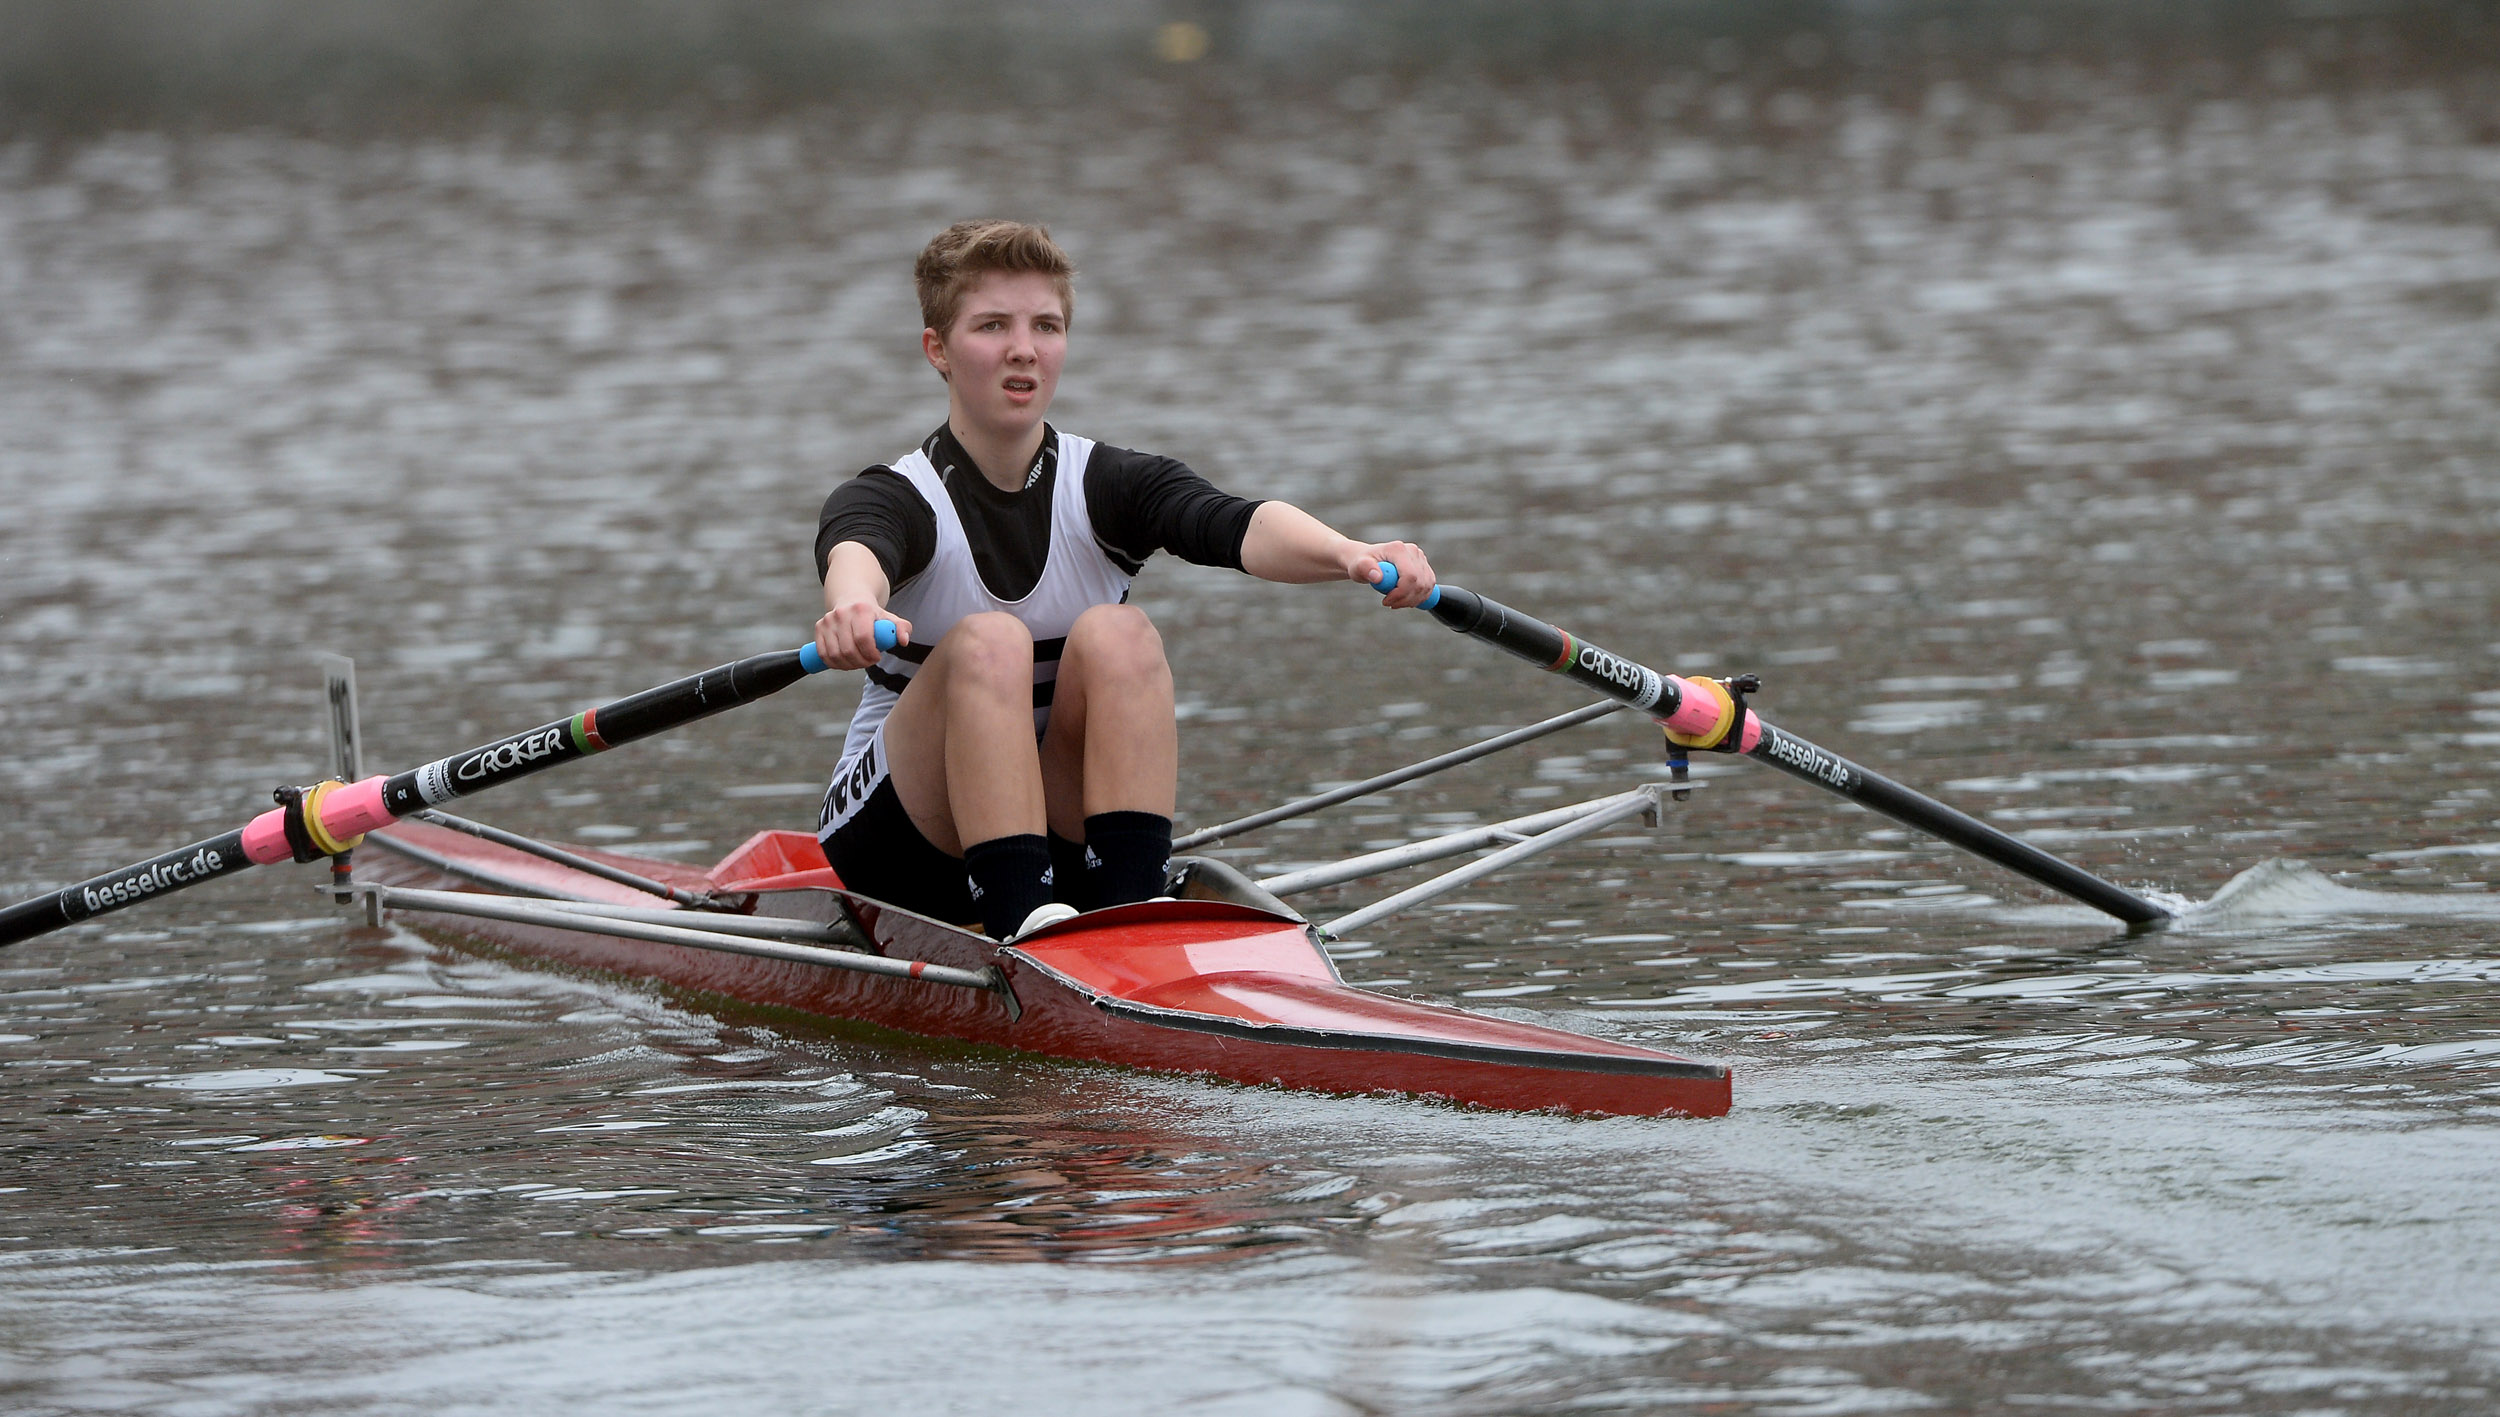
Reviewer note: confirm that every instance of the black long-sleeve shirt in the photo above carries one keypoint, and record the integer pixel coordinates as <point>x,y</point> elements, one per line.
<point>1139,503</point>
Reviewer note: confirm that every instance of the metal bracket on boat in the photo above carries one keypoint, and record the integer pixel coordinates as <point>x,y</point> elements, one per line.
<point>470,871</point>
<point>345,889</point>
<point>738,935</point>
<point>1398,776</point>
<point>1557,828</point>
<point>1205,878</point>
<point>572,861</point>
<point>347,760</point>
<point>1415,853</point>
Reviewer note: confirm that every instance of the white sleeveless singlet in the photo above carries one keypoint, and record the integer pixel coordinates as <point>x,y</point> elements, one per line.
<point>1076,577</point>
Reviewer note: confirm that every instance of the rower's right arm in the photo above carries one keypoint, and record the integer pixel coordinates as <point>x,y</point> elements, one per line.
<point>855,592</point>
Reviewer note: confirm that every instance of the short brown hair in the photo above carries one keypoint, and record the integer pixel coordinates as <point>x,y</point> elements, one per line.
<point>969,250</point>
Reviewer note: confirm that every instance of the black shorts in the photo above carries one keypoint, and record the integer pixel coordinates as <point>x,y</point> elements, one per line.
<point>871,842</point>
<point>881,855</point>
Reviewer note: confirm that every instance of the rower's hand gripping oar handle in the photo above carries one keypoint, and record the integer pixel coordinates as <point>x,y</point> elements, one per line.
<point>1387,581</point>
<point>814,662</point>
<point>332,817</point>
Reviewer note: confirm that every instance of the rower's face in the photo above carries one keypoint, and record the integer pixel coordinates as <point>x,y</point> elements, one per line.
<point>1001,358</point>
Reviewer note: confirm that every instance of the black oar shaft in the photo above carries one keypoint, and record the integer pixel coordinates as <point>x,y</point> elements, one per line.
<point>1877,793</point>
<point>462,774</point>
<point>177,869</point>
<point>1553,650</point>
<point>1658,695</point>
<point>465,774</point>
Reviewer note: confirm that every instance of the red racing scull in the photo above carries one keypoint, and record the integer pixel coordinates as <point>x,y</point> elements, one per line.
<point>1226,980</point>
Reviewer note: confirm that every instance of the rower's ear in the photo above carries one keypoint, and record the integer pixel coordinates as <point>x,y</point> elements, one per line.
<point>933,347</point>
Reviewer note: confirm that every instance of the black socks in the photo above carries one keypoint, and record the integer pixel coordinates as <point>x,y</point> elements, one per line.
<point>1126,855</point>
<point>1123,859</point>
<point>1010,878</point>
<point>1067,870</point>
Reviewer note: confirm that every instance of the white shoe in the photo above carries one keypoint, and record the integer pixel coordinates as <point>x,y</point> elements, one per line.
<point>1044,916</point>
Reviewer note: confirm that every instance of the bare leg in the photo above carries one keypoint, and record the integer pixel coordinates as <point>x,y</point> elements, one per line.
<point>961,738</point>
<point>1113,745</point>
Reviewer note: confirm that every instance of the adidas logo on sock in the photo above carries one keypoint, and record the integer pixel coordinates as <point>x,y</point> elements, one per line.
<point>1092,862</point>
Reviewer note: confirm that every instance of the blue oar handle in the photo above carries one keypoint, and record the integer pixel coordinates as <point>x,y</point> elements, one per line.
<point>1387,581</point>
<point>814,663</point>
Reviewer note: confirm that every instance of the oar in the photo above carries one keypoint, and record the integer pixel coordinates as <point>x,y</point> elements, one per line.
<point>330,818</point>
<point>1700,713</point>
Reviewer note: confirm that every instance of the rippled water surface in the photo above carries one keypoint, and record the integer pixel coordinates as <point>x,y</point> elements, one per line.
<point>2110,447</point>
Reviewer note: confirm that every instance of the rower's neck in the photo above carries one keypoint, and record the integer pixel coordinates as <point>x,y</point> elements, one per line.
<point>1004,460</point>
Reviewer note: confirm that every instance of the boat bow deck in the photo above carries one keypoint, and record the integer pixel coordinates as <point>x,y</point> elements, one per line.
<point>1227,970</point>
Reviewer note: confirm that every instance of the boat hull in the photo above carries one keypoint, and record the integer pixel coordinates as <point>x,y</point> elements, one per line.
<point>1191,986</point>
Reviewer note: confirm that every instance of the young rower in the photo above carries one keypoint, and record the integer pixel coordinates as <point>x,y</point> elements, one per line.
<point>1014,758</point>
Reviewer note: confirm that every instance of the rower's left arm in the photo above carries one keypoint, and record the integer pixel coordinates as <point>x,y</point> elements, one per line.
<point>1288,544</point>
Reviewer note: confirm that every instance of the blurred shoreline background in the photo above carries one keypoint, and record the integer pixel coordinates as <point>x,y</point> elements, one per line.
<point>67,65</point>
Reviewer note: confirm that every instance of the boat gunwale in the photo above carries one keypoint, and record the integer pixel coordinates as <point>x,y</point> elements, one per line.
<point>1663,1064</point>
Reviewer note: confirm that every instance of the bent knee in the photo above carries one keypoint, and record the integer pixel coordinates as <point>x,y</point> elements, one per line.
<point>990,645</point>
<point>1118,642</point>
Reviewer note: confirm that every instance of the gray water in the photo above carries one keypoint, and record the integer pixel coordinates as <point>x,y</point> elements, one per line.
<point>2106,442</point>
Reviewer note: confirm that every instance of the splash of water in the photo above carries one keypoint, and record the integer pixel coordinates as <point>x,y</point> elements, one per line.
<point>2279,891</point>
